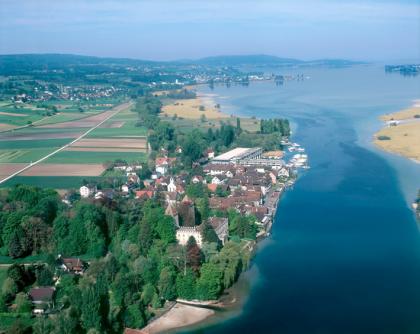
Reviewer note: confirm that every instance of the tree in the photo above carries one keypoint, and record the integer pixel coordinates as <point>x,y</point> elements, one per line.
<point>238,126</point>
<point>185,285</point>
<point>242,226</point>
<point>148,293</point>
<point>23,304</point>
<point>209,235</point>
<point>134,316</point>
<point>166,283</point>
<point>209,284</point>
<point>44,276</point>
<point>17,273</point>
<point>194,255</point>
<point>165,228</point>
<point>9,289</point>
<point>230,262</point>
<point>17,244</point>
<point>91,317</point>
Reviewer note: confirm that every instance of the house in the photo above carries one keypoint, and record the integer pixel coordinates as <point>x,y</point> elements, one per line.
<point>218,180</point>
<point>212,187</point>
<point>178,149</point>
<point>219,169</point>
<point>72,265</point>
<point>184,233</point>
<point>128,187</point>
<point>210,153</point>
<point>87,190</point>
<point>162,169</point>
<point>133,178</point>
<point>283,172</point>
<point>220,226</point>
<point>197,179</point>
<point>145,193</point>
<point>42,298</point>
<point>105,194</point>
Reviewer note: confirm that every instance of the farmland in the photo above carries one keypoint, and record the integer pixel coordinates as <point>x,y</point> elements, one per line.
<point>118,138</point>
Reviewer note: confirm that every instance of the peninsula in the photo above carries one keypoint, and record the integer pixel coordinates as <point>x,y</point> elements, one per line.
<point>401,134</point>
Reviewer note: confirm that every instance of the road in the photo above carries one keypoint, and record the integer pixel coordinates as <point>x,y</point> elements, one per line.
<point>117,110</point>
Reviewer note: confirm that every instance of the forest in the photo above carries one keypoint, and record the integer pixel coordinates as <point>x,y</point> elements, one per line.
<point>135,264</point>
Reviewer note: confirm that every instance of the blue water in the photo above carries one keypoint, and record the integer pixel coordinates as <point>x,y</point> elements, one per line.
<point>344,255</point>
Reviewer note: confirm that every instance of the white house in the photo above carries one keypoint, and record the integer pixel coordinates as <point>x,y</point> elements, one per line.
<point>162,169</point>
<point>184,233</point>
<point>283,172</point>
<point>86,191</point>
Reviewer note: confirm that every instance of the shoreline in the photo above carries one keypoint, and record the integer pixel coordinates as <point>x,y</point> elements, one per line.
<point>401,133</point>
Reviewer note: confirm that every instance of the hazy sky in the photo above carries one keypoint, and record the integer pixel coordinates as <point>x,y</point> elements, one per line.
<point>158,29</point>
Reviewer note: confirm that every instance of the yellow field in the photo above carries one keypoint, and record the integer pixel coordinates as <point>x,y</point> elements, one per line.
<point>405,137</point>
<point>190,108</point>
<point>403,114</point>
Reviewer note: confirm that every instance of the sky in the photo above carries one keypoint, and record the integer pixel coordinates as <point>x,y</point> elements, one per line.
<point>373,30</point>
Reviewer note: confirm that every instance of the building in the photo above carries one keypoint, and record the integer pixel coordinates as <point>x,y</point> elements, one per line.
<point>86,191</point>
<point>171,186</point>
<point>221,227</point>
<point>42,298</point>
<point>184,233</point>
<point>238,154</point>
<point>72,265</point>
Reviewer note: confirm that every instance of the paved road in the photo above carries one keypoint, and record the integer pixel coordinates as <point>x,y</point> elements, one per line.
<point>117,110</point>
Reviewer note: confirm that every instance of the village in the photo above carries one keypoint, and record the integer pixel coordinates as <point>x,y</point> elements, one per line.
<point>246,180</point>
<point>234,181</point>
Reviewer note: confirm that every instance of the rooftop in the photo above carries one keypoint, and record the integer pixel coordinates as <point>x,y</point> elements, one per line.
<point>236,153</point>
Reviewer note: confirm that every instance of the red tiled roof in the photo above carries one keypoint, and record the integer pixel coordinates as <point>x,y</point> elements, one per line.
<point>41,294</point>
<point>212,187</point>
<point>144,193</point>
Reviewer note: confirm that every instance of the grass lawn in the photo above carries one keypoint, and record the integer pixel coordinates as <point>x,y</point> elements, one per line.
<point>80,157</point>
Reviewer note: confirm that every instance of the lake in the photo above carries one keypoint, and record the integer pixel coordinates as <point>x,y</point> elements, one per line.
<point>344,255</point>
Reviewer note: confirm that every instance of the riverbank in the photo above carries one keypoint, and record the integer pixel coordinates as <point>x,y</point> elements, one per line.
<point>402,133</point>
<point>180,315</point>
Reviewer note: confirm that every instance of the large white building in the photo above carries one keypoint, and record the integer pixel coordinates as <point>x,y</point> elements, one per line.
<point>184,233</point>
<point>238,154</point>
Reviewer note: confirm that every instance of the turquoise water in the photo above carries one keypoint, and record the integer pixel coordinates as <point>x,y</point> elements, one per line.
<point>344,256</point>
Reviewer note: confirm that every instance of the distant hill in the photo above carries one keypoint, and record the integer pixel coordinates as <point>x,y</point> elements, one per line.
<point>22,63</point>
<point>32,62</point>
<point>246,60</point>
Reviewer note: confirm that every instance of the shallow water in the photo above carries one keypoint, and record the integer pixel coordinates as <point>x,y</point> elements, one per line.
<point>344,255</point>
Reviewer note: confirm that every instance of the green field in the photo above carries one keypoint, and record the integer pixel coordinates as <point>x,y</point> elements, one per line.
<point>24,155</point>
<point>19,144</point>
<point>80,157</point>
<point>64,117</point>
<point>128,129</point>
<point>56,182</point>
